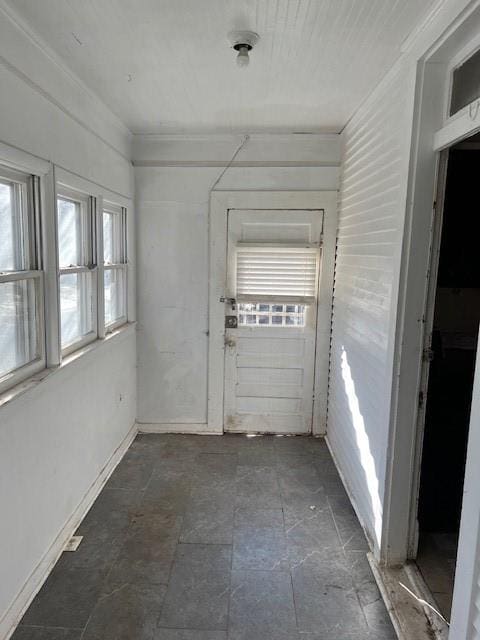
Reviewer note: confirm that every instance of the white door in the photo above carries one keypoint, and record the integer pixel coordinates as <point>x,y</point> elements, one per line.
<point>273,261</point>
<point>466,596</point>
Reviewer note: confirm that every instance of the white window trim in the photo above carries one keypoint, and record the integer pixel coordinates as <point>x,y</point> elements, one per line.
<point>14,392</point>
<point>21,173</point>
<point>49,178</point>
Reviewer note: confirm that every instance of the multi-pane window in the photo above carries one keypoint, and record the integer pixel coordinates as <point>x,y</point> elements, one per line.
<point>115,265</point>
<point>262,314</point>
<point>21,280</point>
<point>77,274</point>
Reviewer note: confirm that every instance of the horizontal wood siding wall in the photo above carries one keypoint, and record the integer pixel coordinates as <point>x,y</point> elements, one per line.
<point>371,216</point>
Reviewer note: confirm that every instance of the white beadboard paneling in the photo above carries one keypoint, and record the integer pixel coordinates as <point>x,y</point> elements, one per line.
<point>371,213</point>
<point>167,66</point>
<point>172,210</point>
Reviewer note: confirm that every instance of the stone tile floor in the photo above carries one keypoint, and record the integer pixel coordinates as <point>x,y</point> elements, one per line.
<point>215,538</point>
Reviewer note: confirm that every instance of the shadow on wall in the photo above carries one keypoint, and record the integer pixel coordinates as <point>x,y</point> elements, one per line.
<point>366,457</point>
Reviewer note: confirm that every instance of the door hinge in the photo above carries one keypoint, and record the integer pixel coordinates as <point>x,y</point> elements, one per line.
<point>421,399</point>
<point>428,355</point>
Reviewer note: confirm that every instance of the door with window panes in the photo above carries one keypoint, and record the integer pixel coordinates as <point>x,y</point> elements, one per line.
<point>273,262</point>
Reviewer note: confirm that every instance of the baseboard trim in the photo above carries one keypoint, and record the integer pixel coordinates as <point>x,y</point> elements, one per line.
<point>166,427</point>
<point>15,612</point>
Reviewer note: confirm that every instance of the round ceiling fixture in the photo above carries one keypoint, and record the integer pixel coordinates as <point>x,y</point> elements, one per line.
<point>243,42</point>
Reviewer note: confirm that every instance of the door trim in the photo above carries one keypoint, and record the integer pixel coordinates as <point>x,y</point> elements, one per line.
<point>428,119</point>
<point>220,203</point>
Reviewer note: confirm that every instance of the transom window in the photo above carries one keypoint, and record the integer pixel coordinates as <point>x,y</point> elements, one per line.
<point>465,83</point>
<point>22,345</point>
<point>77,272</point>
<point>115,265</point>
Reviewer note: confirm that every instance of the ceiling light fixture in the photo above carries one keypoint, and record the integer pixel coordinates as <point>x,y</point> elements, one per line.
<point>243,42</point>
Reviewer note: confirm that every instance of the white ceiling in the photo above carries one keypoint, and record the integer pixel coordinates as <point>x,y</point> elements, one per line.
<point>164,66</point>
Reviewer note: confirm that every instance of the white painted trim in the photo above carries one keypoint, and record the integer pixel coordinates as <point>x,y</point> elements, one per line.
<point>220,203</point>
<point>438,626</point>
<point>269,150</point>
<point>235,163</point>
<point>23,161</point>
<point>98,205</point>
<point>167,427</point>
<point>23,30</point>
<point>73,181</point>
<point>467,573</point>
<point>407,615</point>
<point>41,572</point>
<point>464,124</point>
<point>404,439</point>
<point>324,312</point>
<point>50,264</point>
<point>232,137</point>
<point>74,359</point>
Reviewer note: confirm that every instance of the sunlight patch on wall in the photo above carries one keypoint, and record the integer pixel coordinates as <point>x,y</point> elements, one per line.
<point>363,443</point>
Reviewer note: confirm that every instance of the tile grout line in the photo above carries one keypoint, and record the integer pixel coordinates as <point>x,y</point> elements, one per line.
<point>231,555</point>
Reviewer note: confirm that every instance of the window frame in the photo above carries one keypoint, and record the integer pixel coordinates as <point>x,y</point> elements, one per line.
<point>455,119</point>
<point>46,181</point>
<point>121,211</point>
<point>28,207</point>
<point>89,257</point>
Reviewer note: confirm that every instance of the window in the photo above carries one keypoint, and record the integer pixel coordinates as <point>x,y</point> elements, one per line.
<point>115,265</point>
<point>22,346</point>
<point>271,315</point>
<point>465,83</point>
<point>77,274</point>
<point>275,284</point>
<point>276,273</point>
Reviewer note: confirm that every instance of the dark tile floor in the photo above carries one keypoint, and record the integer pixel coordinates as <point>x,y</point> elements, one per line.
<point>215,538</point>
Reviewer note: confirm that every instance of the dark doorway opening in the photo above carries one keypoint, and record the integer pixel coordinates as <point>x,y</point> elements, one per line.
<point>454,343</point>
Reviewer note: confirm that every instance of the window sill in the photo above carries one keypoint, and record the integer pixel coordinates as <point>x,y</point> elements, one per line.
<point>33,381</point>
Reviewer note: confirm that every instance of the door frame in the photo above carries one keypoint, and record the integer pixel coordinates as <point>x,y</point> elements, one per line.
<point>220,203</point>
<point>433,132</point>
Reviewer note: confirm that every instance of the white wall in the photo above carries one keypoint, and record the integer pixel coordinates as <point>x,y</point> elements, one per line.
<point>54,441</point>
<point>174,176</point>
<point>367,329</point>
<point>57,436</point>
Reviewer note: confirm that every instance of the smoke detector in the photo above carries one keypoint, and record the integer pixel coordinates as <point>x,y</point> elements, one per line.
<point>243,42</point>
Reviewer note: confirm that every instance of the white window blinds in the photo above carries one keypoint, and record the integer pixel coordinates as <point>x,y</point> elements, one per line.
<point>280,273</point>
